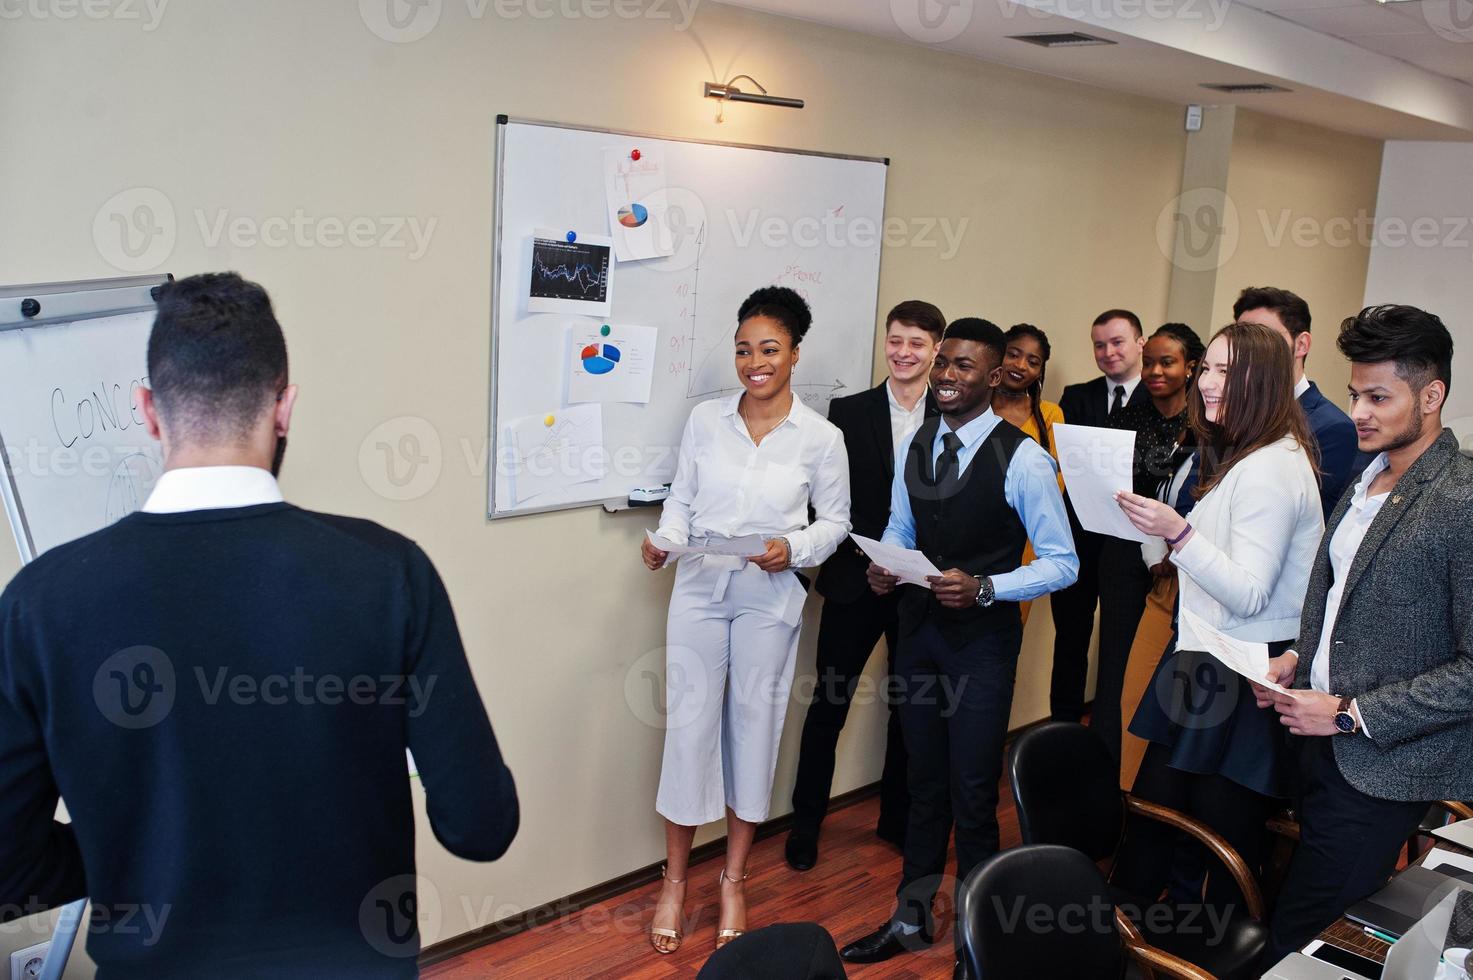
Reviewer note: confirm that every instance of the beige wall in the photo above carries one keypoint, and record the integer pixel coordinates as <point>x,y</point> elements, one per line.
<point>1298,191</point>
<point>273,106</point>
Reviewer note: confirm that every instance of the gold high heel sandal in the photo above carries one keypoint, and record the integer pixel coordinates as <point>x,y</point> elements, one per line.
<point>727,935</point>
<point>673,934</point>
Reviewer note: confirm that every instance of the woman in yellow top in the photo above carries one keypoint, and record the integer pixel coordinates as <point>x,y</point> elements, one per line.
<point>1018,398</point>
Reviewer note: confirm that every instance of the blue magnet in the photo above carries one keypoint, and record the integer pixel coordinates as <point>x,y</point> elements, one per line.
<point>572,236</point>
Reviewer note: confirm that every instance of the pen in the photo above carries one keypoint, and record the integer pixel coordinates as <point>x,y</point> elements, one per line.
<point>1378,935</point>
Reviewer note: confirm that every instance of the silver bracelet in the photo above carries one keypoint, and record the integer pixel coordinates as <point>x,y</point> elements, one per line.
<point>789,545</point>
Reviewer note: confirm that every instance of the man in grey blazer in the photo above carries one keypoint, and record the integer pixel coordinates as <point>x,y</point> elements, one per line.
<point>1383,698</point>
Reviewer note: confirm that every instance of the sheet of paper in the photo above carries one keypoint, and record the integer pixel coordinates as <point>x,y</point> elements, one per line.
<point>906,564</point>
<point>1459,832</point>
<point>1240,656</point>
<point>571,277</point>
<point>635,192</point>
<point>611,362</point>
<point>1097,463</point>
<point>748,546</point>
<point>1448,862</point>
<point>561,448</point>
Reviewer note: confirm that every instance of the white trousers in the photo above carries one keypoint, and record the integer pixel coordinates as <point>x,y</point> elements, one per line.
<point>731,646</point>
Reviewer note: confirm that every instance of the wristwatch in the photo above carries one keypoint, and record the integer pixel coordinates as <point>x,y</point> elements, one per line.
<point>1345,722</point>
<point>985,594</point>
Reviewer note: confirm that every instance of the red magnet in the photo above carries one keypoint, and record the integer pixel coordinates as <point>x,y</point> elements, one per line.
<point>634,155</point>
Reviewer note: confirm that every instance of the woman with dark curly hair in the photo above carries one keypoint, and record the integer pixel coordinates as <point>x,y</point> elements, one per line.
<point>753,463</point>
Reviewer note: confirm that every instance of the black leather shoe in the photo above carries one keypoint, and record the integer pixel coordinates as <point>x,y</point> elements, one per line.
<point>959,972</point>
<point>883,943</point>
<point>801,851</point>
<point>891,835</point>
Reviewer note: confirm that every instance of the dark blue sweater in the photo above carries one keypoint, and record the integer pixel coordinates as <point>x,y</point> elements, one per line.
<point>223,698</point>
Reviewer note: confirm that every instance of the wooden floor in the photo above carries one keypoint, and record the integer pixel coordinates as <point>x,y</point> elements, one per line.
<point>850,892</point>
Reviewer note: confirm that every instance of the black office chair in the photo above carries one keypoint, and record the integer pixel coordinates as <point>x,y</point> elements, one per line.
<point>1017,917</point>
<point>1067,790</point>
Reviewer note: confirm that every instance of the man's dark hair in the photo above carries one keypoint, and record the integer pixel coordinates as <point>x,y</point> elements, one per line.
<point>216,356</point>
<point>1416,340</point>
<point>1126,315</point>
<point>1292,311</point>
<point>981,331</point>
<point>918,313</point>
<point>781,304</point>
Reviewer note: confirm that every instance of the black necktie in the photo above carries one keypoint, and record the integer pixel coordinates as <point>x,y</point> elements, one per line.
<point>1119,399</point>
<point>946,463</point>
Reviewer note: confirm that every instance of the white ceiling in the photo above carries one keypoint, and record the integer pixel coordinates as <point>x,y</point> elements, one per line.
<point>1403,71</point>
<point>1433,34</point>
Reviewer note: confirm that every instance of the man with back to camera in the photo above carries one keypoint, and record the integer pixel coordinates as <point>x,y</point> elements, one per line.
<point>1288,316</point>
<point>1118,342</point>
<point>970,491</point>
<point>1383,676</point>
<point>875,424</point>
<point>228,729</point>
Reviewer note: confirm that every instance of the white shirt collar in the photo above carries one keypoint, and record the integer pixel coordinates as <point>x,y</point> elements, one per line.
<point>1301,386</point>
<point>1129,386</point>
<point>1372,470</point>
<point>920,405</point>
<point>730,403</point>
<point>212,488</point>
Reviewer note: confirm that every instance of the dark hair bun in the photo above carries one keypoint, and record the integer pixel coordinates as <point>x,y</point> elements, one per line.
<point>781,304</point>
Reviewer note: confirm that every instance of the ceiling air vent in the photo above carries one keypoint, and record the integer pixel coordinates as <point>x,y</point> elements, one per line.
<point>1245,88</point>
<point>1070,39</point>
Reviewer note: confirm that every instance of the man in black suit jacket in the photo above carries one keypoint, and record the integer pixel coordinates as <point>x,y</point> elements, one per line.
<point>1118,341</point>
<point>854,618</point>
<point>1288,315</point>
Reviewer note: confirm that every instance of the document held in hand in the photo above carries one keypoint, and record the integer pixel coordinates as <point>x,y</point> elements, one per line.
<point>1097,463</point>
<point>749,546</point>
<point>905,564</point>
<point>1240,656</point>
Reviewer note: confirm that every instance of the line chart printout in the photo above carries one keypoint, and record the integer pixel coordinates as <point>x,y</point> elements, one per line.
<point>570,276</point>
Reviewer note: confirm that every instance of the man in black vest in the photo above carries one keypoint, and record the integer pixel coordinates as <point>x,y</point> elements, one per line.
<point>875,424</point>
<point>970,491</point>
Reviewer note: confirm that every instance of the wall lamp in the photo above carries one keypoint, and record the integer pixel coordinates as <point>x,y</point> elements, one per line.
<point>730,93</point>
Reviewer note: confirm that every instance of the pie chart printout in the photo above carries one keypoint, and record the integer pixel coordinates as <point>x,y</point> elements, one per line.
<point>600,358</point>
<point>633,215</point>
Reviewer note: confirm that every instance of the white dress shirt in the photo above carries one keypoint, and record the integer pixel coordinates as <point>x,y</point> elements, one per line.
<point>1343,546</point>
<point>1301,386</point>
<point>727,486</point>
<point>212,488</point>
<point>1129,387</point>
<point>903,421</point>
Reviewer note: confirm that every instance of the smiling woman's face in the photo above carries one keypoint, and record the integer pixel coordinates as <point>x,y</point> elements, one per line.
<point>765,357</point>
<point>1022,364</point>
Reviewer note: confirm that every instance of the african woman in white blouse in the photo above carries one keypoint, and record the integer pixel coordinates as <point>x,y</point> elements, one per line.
<point>749,464</point>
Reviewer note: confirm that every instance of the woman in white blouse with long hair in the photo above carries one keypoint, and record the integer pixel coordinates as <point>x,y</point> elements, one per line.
<point>749,464</point>
<point>1243,559</point>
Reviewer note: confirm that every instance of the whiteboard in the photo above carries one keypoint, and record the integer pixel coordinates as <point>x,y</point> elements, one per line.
<point>741,217</point>
<point>77,454</point>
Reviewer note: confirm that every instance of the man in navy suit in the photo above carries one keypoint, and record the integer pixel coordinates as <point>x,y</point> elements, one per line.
<point>1118,341</point>
<point>1288,315</point>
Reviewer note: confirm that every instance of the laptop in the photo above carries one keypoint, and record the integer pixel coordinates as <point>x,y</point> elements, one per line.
<point>1413,957</point>
<point>1396,908</point>
<point>1459,832</point>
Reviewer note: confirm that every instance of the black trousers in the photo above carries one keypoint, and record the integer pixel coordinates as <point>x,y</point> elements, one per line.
<point>1153,855</point>
<point>847,634</point>
<point>1348,846</point>
<point>954,712</point>
<point>1124,583</point>
<point>1074,623</point>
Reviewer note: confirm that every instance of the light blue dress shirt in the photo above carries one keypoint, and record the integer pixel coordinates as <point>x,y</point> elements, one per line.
<point>1031,488</point>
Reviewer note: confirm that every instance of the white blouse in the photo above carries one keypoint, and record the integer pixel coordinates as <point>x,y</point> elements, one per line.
<point>727,486</point>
